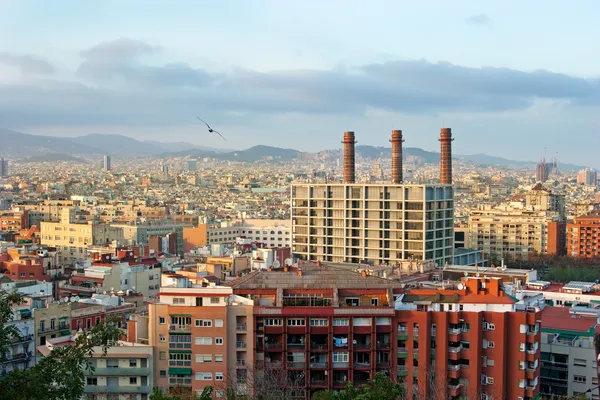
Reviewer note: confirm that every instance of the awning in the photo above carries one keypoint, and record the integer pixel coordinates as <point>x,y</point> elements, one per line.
<point>180,371</point>
<point>63,317</point>
<point>65,332</point>
<point>180,351</point>
<point>25,311</point>
<point>180,315</point>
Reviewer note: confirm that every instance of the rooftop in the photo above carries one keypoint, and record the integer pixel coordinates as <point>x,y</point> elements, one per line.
<point>563,318</point>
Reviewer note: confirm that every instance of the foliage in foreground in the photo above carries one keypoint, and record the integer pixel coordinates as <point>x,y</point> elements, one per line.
<point>60,375</point>
<point>380,388</point>
<point>206,394</point>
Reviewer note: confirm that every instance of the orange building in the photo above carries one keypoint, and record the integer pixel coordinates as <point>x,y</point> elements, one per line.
<point>584,236</point>
<point>14,221</point>
<point>194,237</point>
<point>557,238</point>
<point>22,263</point>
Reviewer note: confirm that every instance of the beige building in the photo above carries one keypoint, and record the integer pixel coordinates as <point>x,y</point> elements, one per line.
<point>199,335</point>
<point>51,322</point>
<point>379,223</point>
<point>72,238</point>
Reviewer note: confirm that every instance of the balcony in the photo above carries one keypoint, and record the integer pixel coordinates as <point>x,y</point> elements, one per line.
<point>132,389</point>
<point>454,331</point>
<point>48,329</point>
<point>362,365</point>
<point>383,364</point>
<point>240,363</point>
<point>122,371</point>
<point>23,339</point>
<point>296,364</point>
<point>319,346</point>
<point>340,383</point>
<point>241,345</point>
<point>455,367</point>
<point>362,346</point>
<point>318,364</point>
<point>17,357</point>
<point>319,383</point>
<point>402,334</point>
<point>273,346</point>
<point>402,352</point>
<point>340,364</point>
<point>241,327</point>
<point>175,327</point>
<point>454,349</point>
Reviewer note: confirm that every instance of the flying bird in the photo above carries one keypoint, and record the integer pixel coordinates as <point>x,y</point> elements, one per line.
<point>211,130</point>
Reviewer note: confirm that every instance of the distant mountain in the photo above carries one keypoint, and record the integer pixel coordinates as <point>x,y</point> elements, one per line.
<point>22,145</point>
<point>19,144</point>
<point>52,157</point>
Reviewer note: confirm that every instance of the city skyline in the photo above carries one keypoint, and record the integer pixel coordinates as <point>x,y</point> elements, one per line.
<point>326,70</point>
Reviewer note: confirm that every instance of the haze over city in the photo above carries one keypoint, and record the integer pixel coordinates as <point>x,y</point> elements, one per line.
<point>296,75</point>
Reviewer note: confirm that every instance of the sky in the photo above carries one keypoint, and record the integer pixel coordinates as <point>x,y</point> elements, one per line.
<point>511,78</point>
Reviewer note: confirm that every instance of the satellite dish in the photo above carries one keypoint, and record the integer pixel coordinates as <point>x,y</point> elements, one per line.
<point>276,264</point>
<point>460,286</point>
<point>76,298</point>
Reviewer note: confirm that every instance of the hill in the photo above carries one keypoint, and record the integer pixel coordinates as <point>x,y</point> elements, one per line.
<point>22,145</point>
<point>52,157</point>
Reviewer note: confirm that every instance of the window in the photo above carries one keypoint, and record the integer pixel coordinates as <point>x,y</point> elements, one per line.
<point>521,347</point>
<point>219,376</point>
<point>203,340</point>
<point>161,320</point>
<point>580,362</point>
<point>161,338</point>
<point>579,378</point>
<point>491,345</point>
<point>215,300</point>
<point>340,357</point>
<point>180,359</point>
<point>374,301</point>
<point>218,323</point>
<point>218,358</point>
<point>340,322</point>
<point>163,373</point>
<point>162,355</point>
<point>272,322</point>
<point>178,300</point>
<point>296,322</point>
<point>92,381</point>
<point>203,376</point>
<point>219,341</point>
<point>203,358</point>
<point>132,363</point>
<point>352,302</point>
<point>319,322</point>
<point>180,341</point>
<point>133,380</point>
<point>205,323</point>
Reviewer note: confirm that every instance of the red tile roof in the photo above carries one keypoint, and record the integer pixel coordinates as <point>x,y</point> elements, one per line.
<point>562,318</point>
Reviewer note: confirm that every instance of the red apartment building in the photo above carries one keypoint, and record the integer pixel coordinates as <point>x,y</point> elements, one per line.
<point>321,327</point>
<point>584,236</point>
<point>26,263</point>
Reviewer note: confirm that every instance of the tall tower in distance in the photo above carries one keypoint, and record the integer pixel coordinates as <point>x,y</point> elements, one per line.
<point>107,165</point>
<point>446,156</point>
<point>349,162</point>
<point>3,168</point>
<point>397,156</point>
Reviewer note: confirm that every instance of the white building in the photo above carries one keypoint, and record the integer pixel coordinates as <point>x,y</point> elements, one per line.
<point>271,232</point>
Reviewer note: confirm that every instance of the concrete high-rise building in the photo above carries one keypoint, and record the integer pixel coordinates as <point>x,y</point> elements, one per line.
<point>164,168</point>
<point>192,165</point>
<point>3,168</point>
<point>588,177</point>
<point>373,222</point>
<point>106,164</point>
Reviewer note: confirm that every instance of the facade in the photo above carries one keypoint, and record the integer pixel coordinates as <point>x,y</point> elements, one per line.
<point>588,177</point>
<point>52,321</point>
<point>568,358</point>
<point>123,373</point>
<point>199,334</point>
<point>138,233</point>
<point>14,221</point>
<point>378,223</point>
<point>192,165</point>
<point>3,168</point>
<point>21,351</point>
<point>322,327</point>
<point>25,263</point>
<point>72,238</point>
<point>584,236</point>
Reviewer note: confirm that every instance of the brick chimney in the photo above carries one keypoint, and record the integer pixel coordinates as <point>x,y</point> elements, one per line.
<point>397,156</point>
<point>349,168</point>
<point>446,156</point>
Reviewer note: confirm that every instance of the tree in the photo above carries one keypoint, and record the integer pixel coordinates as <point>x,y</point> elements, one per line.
<point>206,394</point>
<point>60,375</point>
<point>380,388</point>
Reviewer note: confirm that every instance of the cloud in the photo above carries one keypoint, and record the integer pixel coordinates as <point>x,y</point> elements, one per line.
<point>117,86</point>
<point>27,64</point>
<point>479,19</point>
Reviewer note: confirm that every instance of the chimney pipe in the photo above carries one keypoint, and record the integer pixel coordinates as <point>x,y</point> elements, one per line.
<point>446,156</point>
<point>349,172</point>
<point>397,156</point>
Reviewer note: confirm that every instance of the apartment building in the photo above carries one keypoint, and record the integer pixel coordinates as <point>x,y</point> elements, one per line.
<point>14,221</point>
<point>21,351</point>
<point>51,321</point>
<point>472,342</point>
<point>199,335</point>
<point>584,236</point>
<point>322,327</point>
<point>568,357</point>
<point>378,223</point>
<point>123,373</point>
<point>30,262</point>
<point>72,238</point>
<point>138,233</point>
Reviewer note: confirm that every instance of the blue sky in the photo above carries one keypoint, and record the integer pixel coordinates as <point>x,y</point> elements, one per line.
<point>509,78</point>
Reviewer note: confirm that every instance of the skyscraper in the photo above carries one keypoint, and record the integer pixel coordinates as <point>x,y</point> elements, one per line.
<point>588,177</point>
<point>542,172</point>
<point>3,167</point>
<point>191,165</point>
<point>107,165</point>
